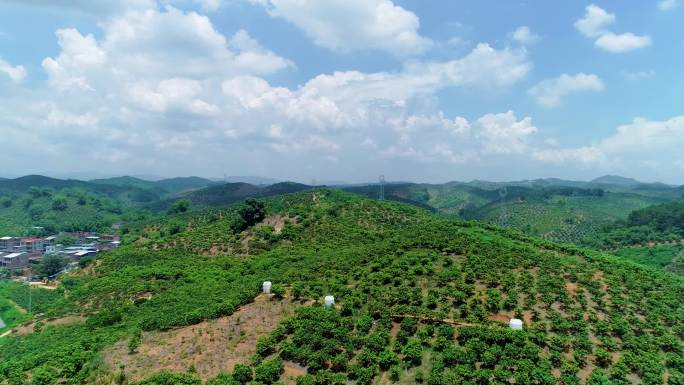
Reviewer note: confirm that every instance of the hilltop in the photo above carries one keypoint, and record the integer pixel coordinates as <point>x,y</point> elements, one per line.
<point>419,298</point>
<point>616,181</point>
<point>163,187</point>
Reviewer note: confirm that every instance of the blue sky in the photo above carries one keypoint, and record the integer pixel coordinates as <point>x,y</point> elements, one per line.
<point>344,90</point>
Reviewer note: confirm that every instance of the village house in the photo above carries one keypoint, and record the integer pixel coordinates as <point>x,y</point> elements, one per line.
<point>31,245</point>
<point>9,243</point>
<point>14,260</point>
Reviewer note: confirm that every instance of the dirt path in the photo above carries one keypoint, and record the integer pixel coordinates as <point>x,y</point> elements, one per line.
<point>29,328</point>
<point>431,319</point>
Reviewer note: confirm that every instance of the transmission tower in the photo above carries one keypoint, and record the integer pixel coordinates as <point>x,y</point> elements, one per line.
<point>382,187</point>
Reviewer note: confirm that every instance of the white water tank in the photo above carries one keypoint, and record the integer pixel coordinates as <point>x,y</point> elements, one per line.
<point>329,301</point>
<point>515,324</point>
<point>266,287</point>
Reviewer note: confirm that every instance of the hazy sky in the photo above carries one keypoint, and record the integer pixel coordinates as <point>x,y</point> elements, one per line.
<point>424,90</point>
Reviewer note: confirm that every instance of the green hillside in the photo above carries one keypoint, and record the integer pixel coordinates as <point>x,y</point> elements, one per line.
<point>164,187</point>
<point>654,224</point>
<point>419,299</point>
<point>562,218</point>
<point>59,205</point>
<point>561,213</point>
<point>227,193</point>
<point>665,256</point>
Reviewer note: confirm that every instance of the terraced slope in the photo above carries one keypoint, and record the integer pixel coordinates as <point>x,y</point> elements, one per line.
<point>419,299</point>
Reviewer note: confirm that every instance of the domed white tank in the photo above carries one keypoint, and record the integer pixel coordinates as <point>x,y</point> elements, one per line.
<point>266,287</point>
<point>515,324</point>
<point>329,301</point>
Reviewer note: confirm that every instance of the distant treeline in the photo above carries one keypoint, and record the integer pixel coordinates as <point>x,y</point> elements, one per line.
<point>658,223</point>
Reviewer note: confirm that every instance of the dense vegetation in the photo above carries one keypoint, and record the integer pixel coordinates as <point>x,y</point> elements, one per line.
<point>556,210</point>
<point>37,205</point>
<point>43,210</point>
<point>420,300</point>
<point>654,224</point>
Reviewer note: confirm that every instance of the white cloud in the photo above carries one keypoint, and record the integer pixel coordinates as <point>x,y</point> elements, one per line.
<point>622,43</point>
<point>550,92</point>
<point>667,5</point>
<point>346,25</point>
<point>595,21</point>
<point>162,89</point>
<point>594,24</point>
<point>252,57</point>
<point>631,147</point>
<point>80,54</point>
<point>15,73</point>
<point>157,44</point>
<point>524,35</point>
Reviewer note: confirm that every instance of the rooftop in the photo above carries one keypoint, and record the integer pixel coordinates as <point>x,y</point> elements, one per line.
<point>12,256</point>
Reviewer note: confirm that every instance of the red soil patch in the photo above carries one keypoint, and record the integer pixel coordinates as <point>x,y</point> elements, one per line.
<point>571,288</point>
<point>277,221</point>
<point>527,317</point>
<point>503,317</point>
<point>598,275</point>
<point>292,371</point>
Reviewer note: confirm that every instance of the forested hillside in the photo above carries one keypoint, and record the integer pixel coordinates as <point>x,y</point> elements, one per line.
<point>163,187</point>
<point>419,299</point>
<point>66,205</point>
<point>654,224</point>
<point>556,210</point>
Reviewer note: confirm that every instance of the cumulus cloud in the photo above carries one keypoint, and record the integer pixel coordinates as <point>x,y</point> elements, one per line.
<point>622,43</point>
<point>346,25</point>
<point>595,24</point>
<point>154,44</point>
<point>162,89</point>
<point>15,73</point>
<point>433,138</point>
<point>524,35</point>
<point>630,147</point>
<point>595,21</point>
<point>550,92</point>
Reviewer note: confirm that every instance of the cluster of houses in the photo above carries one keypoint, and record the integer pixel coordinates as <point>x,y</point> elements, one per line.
<point>19,252</point>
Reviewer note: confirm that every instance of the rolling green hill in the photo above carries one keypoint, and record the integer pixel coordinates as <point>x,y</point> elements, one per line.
<point>163,188</point>
<point>564,213</point>
<point>66,205</point>
<point>654,224</point>
<point>226,193</point>
<point>29,201</point>
<point>653,236</point>
<point>419,299</point>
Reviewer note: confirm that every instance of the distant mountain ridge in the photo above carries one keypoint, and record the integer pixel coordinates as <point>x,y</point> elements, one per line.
<point>616,180</point>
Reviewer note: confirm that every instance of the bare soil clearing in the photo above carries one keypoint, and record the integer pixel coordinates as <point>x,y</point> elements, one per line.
<point>210,347</point>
